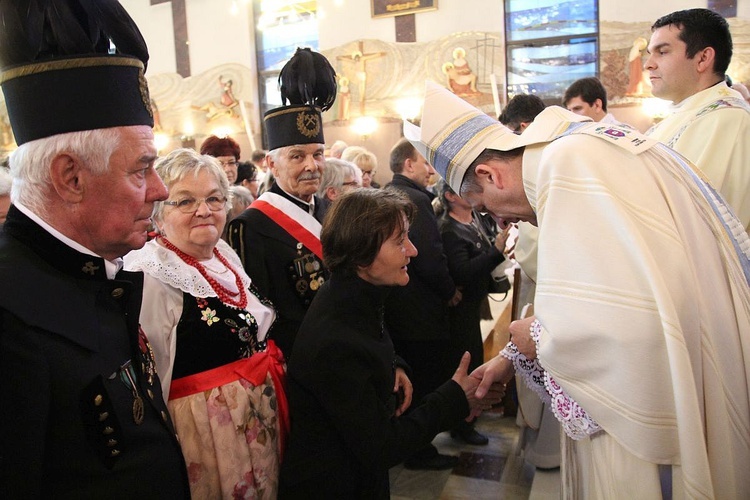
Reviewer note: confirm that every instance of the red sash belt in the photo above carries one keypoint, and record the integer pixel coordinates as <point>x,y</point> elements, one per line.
<point>253,369</point>
<point>291,226</point>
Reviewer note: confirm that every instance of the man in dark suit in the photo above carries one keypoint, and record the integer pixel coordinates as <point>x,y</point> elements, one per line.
<point>416,315</point>
<point>83,414</point>
<point>278,236</point>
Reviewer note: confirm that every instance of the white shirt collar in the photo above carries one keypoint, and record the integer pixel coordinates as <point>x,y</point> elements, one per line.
<point>310,204</point>
<point>111,267</point>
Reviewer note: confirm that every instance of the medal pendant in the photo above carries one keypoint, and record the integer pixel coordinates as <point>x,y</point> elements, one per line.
<point>138,410</point>
<point>314,285</point>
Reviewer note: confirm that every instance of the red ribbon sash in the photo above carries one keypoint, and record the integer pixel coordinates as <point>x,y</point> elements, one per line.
<point>291,226</point>
<point>253,369</point>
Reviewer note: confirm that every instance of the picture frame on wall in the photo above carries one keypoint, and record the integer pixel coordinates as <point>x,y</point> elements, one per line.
<point>390,8</point>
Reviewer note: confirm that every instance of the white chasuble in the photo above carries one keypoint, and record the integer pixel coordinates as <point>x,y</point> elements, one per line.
<point>712,130</point>
<point>642,294</point>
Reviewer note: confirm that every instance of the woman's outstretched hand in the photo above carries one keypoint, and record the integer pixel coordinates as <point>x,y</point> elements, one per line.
<point>470,384</point>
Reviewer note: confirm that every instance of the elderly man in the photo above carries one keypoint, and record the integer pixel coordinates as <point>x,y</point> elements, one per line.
<point>278,236</point>
<point>708,122</point>
<point>641,331</point>
<point>83,413</point>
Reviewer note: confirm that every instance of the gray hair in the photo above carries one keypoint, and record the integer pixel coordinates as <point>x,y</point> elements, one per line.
<point>338,148</point>
<point>240,197</point>
<point>183,162</point>
<point>5,181</point>
<point>349,153</point>
<point>275,154</point>
<point>334,174</point>
<point>30,163</point>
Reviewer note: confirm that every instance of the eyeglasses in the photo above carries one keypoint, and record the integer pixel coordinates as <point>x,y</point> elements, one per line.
<point>230,163</point>
<point>190,205</point>
<point>350,183</point>
<point>371,173</point>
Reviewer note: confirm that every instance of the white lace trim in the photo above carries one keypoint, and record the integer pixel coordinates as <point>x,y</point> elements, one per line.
<point>167,267</point>
<point>576,423</point>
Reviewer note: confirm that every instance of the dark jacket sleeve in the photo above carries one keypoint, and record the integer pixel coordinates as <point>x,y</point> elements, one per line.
<point>24,377</point>
<point>363,421</point>
<point>467,264</point>
<point>430,263</point>
<point>249,246</point>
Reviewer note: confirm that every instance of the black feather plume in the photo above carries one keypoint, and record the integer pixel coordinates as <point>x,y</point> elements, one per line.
<point>308,79</point>
<point>37,30</point>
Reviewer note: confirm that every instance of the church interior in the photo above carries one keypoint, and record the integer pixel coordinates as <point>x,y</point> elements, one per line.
<point>214,66</point>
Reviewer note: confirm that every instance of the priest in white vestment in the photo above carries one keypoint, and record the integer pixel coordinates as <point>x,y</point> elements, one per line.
<point>641,333</point>
<point>708,122</point>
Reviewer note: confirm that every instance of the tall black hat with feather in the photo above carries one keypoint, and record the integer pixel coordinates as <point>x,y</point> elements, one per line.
<point>71,65</point>
<point>308,82</point>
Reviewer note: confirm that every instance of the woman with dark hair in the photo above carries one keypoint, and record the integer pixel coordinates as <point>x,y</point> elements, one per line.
<point>227,151</point>
<point>347,389</point>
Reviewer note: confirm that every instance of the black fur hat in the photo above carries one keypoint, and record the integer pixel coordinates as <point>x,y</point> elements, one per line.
<point>71,65</point>
<point>308,82</point>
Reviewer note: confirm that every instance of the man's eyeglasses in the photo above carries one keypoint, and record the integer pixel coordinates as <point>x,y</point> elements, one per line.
<point>230,163</point>
<point>190,205</point>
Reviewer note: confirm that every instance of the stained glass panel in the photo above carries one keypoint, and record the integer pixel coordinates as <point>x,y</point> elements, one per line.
<point>547,70</point>
<point>535,19</point>
<point>550,44</point>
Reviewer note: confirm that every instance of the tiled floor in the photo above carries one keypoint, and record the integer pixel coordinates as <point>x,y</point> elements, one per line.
<point>484,472</point>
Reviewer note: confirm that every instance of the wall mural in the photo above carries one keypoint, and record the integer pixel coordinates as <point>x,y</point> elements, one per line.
<point>191,108</point>
<point>623,54</point>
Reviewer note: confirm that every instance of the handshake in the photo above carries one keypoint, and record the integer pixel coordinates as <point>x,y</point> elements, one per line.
<point>485,386</point>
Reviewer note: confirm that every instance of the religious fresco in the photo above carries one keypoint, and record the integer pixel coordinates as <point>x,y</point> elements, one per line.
<point>193,107</point>
<point>190,109</point>
<point>622,56</point>
<point>478,55</point>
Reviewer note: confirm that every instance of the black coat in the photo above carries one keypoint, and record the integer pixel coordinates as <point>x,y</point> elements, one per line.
<point>344,435</point>
<point>67,426</point>
<point>419,311</point>
<point>471,259</point>
<point>268,252</point>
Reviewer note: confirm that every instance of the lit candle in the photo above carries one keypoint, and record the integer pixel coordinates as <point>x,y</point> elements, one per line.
<point>495,96</point>
<point>246,122</point>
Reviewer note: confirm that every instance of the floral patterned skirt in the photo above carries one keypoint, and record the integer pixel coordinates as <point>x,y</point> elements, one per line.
<point>232,422</point>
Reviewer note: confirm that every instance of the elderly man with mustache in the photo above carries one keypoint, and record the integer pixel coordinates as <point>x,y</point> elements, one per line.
<point>278,236</point>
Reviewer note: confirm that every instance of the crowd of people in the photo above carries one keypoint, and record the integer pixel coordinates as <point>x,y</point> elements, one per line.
<point>191,325</point>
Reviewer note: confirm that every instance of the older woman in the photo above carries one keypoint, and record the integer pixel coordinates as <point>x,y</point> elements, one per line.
<point>338,177</point>
<point>227,151</point>
<point>366,161</point>
<point>347,389</point>
<point>208,327</point>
